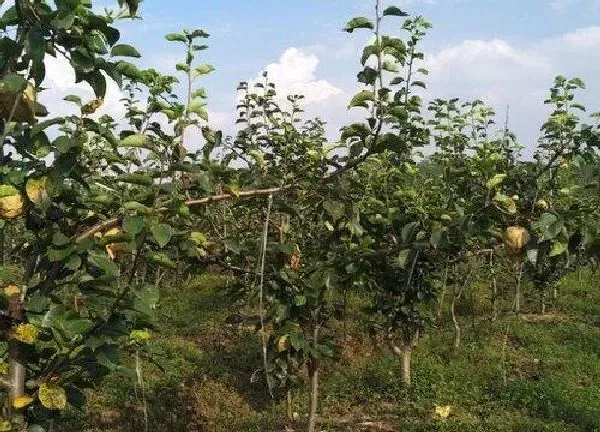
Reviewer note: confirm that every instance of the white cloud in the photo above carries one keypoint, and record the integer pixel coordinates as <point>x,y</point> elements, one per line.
<point>583,39</point>
<point>518,75</point>
<point>294,73</point>
<point>60,81</point>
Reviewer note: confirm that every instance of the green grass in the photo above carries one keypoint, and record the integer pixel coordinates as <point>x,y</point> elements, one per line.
<point>545,378</point>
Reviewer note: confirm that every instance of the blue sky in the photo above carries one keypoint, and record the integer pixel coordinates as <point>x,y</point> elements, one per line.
<point>504,51</point>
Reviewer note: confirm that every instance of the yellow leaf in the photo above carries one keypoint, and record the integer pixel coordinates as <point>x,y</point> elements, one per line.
<point>443,411</point>
<point>140,335</point>
<point>5,426</point>
<point>282,343</point>
<point>26,333</point>
<point>22,401</point>
<point>112,232</point>
<point>52,396</point>
<point>11,206</point>
<point>18,107</point>
<point>37,191</point>
<point>113,248</point>
<point>3,367</point>
<point>11,290</point>
<point>91,107</point>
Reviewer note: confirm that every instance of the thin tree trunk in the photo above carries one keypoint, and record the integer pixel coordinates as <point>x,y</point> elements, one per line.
<point>518,288</point>
<point>494,288</point>
<point>405,353</point>
<point>405,365</point>
<point>544,302</point>
<point>456,296</point>
<point>345,314</point>
<point>313,372</point>
<point>438,314</point>
<point>289,405</point>
<point>504,354</point>
<point>455,323</point>
<point>16,354</point>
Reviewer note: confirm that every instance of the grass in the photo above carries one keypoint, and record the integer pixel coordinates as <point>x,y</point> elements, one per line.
<point>528,373</point>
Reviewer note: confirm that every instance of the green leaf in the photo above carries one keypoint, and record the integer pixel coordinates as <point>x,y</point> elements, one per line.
<point>7,190</point>
<point>74,99</point>
<point>134,225</point>
<point>358,23</point>
<point>73,263</point>
<point>176,37</point>
<point>136,178</point>
<point>59,239</point>
<point>403,257</point>
<point>162,233</point>
<point>63,143</point>
<point>299,300</point>
<point>103,263</point>
<point>506,202</point>
<point>123,50</point>
<point>495,181</point>
<point>199,33</point>
<point>38,128</point>
<point>55,255</point>
<point>408,232</point>
<point>137,207</point>
<point>82,61</point>
<point>134,141</point>
<point>128,69</point>
<point>198,238</point>
<point>14,82</point>
<point>203,70</point>
<point>182,67</point>
<point>198,107</point>
<point>162,259</point>
<point>361,99</point>
<point>558,248</point>
<point>64,19</point>
<point>336,209</point>
<point>36,44</point>
<point>394,11</point>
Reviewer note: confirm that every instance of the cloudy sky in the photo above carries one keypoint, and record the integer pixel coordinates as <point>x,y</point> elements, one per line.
<point>503,51</point>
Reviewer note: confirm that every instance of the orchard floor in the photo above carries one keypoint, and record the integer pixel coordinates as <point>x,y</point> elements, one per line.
<point>529,373</point>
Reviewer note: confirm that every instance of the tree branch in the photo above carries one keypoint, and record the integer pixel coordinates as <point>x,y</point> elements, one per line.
<point>115,222</point>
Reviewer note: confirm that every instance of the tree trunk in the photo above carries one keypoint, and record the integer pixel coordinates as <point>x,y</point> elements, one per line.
<point>455,323</point>
<point>405,365</point>
<point>405,353</point>
<point>543,301</point>
<point>17,358</point>
<point>438,315</point>
<point>288,405</point>
<point>313,372</point>
<point>518,289</point>
<point>494,288</point>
